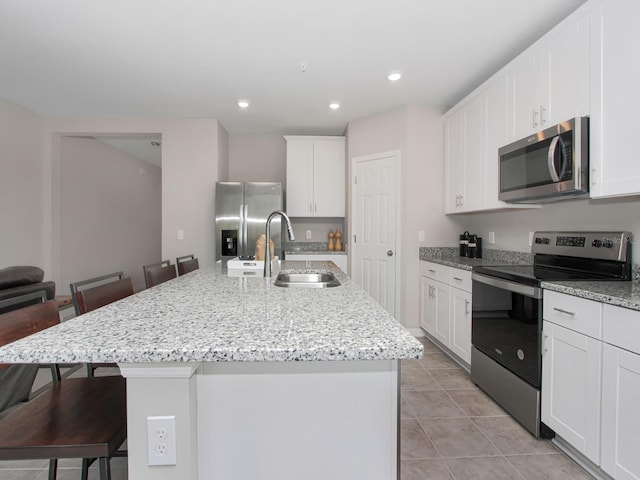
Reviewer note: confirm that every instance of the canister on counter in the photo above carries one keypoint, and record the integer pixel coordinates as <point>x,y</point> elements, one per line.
<point>464,244</point>
<point>475,246</point>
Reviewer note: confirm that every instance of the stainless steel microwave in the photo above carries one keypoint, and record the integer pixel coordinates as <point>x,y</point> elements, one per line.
<point>551,165</point>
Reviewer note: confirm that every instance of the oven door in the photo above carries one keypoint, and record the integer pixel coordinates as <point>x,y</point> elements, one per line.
<point>506,324</point>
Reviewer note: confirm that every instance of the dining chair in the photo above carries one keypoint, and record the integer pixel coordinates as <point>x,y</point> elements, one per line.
<point>157,273</point>
<point>74,418</point>
<point>88,295</point>
<point>16,381</point>
<point>187,264</point>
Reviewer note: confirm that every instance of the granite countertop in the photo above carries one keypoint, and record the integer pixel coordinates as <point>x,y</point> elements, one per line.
<point>310,248</point>
<point>621,294</point>
<point>206,316</point>
<point>450,257</point>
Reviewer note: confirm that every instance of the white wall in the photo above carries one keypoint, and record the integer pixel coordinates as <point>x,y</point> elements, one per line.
<point>257,158</point>
<point>223,154</point>
<point>111,212</point>
<point>417,133</point>
<point>21,187</point>
<point>189,172</point>
<point>512,227</point>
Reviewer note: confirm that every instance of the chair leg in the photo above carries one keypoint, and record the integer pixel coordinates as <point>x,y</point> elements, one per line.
<point>53,468</point>
<point>105,468</point>
<point>85,468</point>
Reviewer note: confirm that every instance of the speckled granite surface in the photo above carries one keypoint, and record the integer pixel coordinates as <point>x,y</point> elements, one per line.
<point>206,316</point>
<point>622,294</point>
<point>310,248</point>
<point>450,256</point>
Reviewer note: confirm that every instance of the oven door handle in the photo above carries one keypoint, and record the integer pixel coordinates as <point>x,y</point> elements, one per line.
<point>526,290</point>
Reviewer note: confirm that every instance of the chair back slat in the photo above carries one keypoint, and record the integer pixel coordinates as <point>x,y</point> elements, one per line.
<point>158,273</point>
<point>186,266</point>
<point>26,321</point>
<point>102,295</point>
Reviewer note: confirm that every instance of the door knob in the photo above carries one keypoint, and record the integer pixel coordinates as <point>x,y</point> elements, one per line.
<point>390,253</point>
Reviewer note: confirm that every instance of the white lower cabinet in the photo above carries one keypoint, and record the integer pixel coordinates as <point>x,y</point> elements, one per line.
<point>571,370</point>
<point>445,307</point>
<point>571,388</point>
<point>441,321</point>
<point>621,393</point>
<point>591,380</point>
<point>460,315</point>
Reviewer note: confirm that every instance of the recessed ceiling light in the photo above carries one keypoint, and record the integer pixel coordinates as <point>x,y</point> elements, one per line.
<point>243,103</point>
<point>394,76</point>
<point>334,105</point>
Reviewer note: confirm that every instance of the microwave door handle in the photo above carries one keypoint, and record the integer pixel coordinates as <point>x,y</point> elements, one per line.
<point>550,157</point>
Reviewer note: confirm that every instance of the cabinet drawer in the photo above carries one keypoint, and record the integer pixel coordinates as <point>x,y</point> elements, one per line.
<point>460,279</point>
<point>621,328</point>
<point>577,314</point>
<point>435,271</point>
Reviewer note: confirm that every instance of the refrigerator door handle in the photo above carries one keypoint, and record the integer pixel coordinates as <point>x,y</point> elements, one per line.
<point>241,231</point>
<point>245,225</point>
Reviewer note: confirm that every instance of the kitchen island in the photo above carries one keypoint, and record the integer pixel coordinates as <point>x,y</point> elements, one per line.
<point>263,381</point>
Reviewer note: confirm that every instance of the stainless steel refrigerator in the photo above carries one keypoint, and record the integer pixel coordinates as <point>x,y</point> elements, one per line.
<point>241,215</point>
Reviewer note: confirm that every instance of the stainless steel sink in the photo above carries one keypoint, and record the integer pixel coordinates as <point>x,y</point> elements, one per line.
<point>308,280</point>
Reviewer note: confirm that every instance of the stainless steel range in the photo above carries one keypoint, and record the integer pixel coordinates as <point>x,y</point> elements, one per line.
<point>506,360</point>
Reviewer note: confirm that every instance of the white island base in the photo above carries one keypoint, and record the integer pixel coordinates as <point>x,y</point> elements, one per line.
<point>268,420</point>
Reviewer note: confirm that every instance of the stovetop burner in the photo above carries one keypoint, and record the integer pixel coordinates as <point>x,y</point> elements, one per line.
<point>571,256</point>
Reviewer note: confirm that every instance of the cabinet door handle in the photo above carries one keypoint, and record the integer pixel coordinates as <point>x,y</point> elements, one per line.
<point>566,312</point>
<point>316,208</point>
<point>466,307</point>
<point>432,271</point>
<point>535,118</point>
<point>457,278</point>
<point>310,207</point>
<point>542,115</point>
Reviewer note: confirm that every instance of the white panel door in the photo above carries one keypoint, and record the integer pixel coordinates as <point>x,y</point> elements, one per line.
<point>571,388</point>
<point>374,228</point>
<point>620,419</point>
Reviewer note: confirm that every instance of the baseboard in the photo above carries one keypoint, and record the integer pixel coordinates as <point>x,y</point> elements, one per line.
<point>592,469</point>
<point>416,332</point>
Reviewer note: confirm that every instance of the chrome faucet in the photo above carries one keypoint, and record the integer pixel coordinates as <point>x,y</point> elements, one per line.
<point>267,247</point>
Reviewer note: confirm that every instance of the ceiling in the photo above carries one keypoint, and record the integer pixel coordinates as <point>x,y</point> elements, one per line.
<point>196,58</point>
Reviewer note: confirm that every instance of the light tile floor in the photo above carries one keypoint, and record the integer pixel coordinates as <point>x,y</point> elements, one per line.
<point>449,430</point>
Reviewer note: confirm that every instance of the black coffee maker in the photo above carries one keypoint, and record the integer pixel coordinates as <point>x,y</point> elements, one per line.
<point>470,245</point>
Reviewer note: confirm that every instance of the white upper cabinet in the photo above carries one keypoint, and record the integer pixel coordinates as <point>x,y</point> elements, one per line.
<point>465,157</point>
<point>473,133</point>
<point>549,83</point>
<point>454,161</point>
<point>315,176</point>
<point>615,169</point>
<point>550,80</point>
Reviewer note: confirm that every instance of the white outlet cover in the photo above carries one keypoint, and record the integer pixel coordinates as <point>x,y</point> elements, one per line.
<point>161,440</point>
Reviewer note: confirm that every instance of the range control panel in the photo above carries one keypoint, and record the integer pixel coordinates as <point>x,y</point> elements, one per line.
<point>601,245</point>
